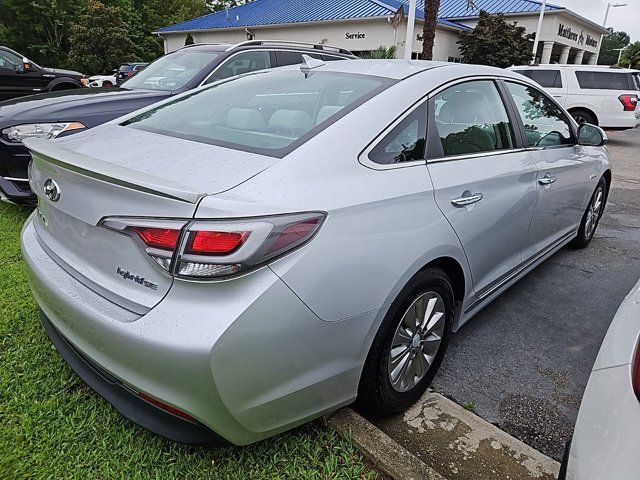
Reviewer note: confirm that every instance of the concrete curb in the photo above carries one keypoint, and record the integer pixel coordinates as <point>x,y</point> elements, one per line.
<point>471,445</point>
<point>391,458</point>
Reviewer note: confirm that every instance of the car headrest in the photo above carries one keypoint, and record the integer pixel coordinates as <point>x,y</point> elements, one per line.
<point>247,119</point>
<point>327,111</point>
<point>291,121</point>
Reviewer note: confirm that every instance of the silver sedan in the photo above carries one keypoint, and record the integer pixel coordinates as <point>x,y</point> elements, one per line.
<point>245,257</point>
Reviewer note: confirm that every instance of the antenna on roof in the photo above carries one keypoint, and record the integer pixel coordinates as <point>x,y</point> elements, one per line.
<point>309,63</point>
<point>226,9</point>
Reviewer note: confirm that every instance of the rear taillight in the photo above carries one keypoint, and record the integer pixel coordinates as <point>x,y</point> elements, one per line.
<point>635,373</point>
<point>210,249</point>
<point>214,243</point>
<point>629,102</point>
<point>163,238</point>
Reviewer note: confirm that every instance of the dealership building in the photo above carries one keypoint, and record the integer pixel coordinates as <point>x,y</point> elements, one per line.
<point>364,25</point>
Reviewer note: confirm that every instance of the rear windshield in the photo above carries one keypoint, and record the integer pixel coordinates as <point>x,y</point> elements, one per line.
<point>270,112</point>
<point>605,81</point>
<point>545,78</point>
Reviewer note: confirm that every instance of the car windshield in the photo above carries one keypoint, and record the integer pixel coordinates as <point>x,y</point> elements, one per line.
<point>270,112</point>
<point>172,71</point>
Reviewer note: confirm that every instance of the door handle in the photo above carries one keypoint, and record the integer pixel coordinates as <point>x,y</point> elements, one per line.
<point>548,179</point>
<point>467,198</point>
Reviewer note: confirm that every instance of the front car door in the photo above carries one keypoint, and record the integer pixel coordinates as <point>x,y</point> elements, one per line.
<point>564,168</point>
<point>484,180</point>
<point>12,82</point>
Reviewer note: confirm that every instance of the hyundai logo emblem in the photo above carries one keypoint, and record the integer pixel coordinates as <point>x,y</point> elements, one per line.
<point>51,190</point>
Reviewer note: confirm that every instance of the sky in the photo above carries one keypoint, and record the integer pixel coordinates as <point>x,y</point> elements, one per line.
<point>621,18</point>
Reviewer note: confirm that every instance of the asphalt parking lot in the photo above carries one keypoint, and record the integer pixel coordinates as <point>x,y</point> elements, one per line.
<point>523,363</point>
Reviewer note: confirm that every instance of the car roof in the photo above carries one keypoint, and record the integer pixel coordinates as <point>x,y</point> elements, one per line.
<point>270,45</point>
<point>595,68</point>
<point>400,69</point>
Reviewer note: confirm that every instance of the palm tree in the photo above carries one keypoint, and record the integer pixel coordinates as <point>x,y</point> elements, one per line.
<point>431,8</point>
<point>381,52</point>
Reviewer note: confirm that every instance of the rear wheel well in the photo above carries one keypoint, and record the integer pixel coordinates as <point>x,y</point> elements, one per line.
<point>590,112</point>
<point>455,273</point>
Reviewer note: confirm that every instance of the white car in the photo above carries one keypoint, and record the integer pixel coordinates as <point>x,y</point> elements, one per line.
<point>101,81</point>
<point>599,95</point>
<point>606,438</point>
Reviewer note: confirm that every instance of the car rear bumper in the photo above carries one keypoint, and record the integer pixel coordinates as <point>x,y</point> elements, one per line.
<point>245,358</point>
<point>126,401</point>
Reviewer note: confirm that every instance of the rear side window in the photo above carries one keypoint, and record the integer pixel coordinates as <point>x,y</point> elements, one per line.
<point>471,118</point>
<point>405,142</point>
<point>545,78</point>
<point>604,81</point>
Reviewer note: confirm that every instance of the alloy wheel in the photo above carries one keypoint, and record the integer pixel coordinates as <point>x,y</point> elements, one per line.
<point>416,341</point>
<point>593,212</point>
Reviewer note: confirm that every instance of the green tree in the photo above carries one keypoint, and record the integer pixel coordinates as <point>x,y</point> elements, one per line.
<point>610,43</point>
<point>217,5</point>
<point>154,14</point>
<point>99,39</point>
<point>495,42</point>
<point>431,8</point>
<point>39,29</point>
<point>631,56</point>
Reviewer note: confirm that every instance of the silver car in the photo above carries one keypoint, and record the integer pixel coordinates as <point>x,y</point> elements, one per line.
<point>606,438</point>
<point>240,259</point>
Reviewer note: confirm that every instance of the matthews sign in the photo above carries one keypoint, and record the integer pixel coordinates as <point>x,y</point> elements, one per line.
<point>581,38</point>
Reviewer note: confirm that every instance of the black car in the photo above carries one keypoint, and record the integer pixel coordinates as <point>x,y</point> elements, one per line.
<point>20,77</point>
<point>64,113</point>
<point>127,70</point>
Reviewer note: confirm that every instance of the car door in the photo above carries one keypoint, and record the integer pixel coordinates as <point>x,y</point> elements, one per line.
<point>484,181</point>
<point>12,82</point>
<point>564,168</point>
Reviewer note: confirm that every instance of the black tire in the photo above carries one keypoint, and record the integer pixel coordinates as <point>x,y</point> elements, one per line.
<point>584,116</point>
<point>585,232</point>
<point>107,84</point>
<point>376,395</point>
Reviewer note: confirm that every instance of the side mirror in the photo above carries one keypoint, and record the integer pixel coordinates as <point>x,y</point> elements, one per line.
<point>591,135</point>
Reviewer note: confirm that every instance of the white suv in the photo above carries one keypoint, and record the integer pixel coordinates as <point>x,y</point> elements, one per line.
<point>599,95</point>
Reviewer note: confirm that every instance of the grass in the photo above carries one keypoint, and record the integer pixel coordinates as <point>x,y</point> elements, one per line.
<point>54,426</point>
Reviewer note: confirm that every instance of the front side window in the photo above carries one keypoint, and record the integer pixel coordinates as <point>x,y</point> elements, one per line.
<point>603,80</point>
<point>9,60</point>
<point>270,112</point>
<point>471,118</point>
<point>405,142</point>
<point>242,63</point>
<point>545,124</point>
<point>171,72</point>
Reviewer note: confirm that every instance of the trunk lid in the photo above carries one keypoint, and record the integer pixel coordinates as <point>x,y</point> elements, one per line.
<point>139,175</point>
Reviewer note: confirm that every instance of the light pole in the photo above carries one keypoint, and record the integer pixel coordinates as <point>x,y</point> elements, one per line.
<point>537,39</point>
<point>411,23</point>
<point>606,14</point>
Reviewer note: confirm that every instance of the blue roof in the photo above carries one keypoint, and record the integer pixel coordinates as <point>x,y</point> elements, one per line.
<point>274,12</point>
<point>458,8</point>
